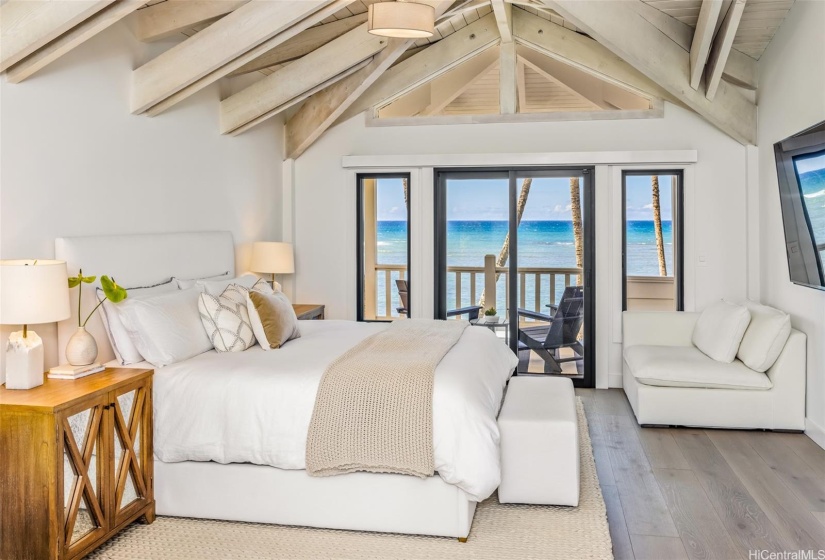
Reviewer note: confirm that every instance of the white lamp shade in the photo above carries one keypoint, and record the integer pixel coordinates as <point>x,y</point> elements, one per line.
<point>33,292</point>
<point>407,20</point>
<point>272,257</point>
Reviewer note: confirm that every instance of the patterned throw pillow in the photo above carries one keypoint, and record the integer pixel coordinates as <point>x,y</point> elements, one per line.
<point>226,319</point>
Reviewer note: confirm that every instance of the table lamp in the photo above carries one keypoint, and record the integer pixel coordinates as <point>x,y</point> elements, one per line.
<point>31,292</point>
<point>273,257</point>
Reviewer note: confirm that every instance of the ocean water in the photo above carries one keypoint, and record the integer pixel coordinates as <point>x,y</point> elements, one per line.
<point>548,244</point>
<point>813,192</point>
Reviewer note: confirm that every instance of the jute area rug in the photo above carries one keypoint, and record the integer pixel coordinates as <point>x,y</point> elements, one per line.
<point>500,532</point>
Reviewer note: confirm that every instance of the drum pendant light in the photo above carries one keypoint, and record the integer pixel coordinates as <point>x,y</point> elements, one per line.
<point>406,20</point>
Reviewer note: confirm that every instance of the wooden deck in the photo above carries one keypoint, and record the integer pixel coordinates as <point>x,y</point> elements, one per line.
<point>690,493</point>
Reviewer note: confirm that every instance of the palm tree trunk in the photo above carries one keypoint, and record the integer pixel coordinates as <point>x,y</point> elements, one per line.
<point>657,226</point>
<point>406,185</point>
<point>504,254</point>
<point>576,210</point>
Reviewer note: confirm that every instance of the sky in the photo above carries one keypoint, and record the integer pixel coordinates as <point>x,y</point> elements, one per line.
<point>549,199</point>
<point>810,164</point>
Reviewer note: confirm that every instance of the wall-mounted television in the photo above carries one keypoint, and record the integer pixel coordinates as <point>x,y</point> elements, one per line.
<point>800,165</point>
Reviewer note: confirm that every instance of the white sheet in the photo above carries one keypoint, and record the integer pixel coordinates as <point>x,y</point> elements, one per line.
<point>255,406</point>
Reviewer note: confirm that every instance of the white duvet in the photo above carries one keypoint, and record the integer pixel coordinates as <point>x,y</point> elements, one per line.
<point>255,406</point>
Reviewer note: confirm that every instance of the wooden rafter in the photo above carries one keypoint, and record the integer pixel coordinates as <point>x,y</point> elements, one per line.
<point>323,109</point>
<point>319,66</point>
<point>722,47</point>
<point>27,26</point>
<point>740,69</point>
<point>427,64</point>
<point>702,39</point>
<point>583,53</point>
<point>76,36</point>
<point>173,16</point>
<point>622,30</point>
<point>222,47</point>
<point>504,19</point>
<point>302,44</point>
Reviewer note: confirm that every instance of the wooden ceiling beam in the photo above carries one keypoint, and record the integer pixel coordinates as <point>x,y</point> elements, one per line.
<point>321,110</point>
<point>504,19</point>
<point>302,44</point>
<point>317,67</point>
<point>722,48</point>
<point>433,61</point>
<point>622,30</point>
<point>173,16</point>
<point>26,26</point>
<point>740,69</point>
<point>219,49</point>
<point>702,39</point>
<point>326,107</point>
<point>583,53</point>
<point>74,37</point>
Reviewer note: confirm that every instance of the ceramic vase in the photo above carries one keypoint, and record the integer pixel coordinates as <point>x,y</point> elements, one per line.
<point>82,348</point>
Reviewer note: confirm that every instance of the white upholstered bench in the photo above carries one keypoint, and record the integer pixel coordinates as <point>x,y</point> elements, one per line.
<point>539,442</point>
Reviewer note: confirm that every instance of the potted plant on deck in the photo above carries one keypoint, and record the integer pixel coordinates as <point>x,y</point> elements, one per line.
<point>490,315</point>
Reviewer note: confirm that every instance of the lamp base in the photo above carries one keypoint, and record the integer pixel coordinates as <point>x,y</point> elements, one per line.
<point>24,361</point>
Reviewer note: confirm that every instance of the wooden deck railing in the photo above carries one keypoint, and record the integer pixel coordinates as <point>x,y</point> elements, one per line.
<point>469,284</point>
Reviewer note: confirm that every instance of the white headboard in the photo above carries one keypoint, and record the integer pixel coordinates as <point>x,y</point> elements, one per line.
<point>137,260</point>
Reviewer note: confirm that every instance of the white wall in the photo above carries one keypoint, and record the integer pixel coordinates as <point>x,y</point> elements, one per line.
<point>76,162</point>
<point>324,203</point>
<point>791,99</point>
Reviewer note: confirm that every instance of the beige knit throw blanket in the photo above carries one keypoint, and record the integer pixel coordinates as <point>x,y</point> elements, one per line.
<point>374,408</point>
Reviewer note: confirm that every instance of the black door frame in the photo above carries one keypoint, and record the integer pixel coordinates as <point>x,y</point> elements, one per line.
<point>678,231</point>
<point>512,174</point>
<point>359,246</point>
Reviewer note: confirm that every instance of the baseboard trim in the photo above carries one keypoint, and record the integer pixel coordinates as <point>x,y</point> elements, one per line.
<point>815,432</point>
<point>614,381</point>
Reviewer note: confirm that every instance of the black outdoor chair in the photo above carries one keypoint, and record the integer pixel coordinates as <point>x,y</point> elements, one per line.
<point>403,290</point>
<point>561,330</point>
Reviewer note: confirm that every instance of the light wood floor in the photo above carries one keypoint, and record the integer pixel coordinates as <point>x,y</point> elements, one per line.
<point>690,493</point>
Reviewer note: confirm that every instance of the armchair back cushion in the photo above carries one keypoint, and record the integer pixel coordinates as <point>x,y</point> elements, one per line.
<point>765,336</point>
<point>720,329</point>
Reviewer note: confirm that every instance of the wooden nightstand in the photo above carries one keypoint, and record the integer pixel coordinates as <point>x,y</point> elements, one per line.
<point>308,311</point>
<point>77,463</point>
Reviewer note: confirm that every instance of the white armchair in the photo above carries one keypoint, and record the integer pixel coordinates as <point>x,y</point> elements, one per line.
<point>712,394</point>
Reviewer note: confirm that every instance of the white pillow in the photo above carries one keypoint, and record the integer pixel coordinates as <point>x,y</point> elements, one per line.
<point>186,284</point>
<point>216,287</point>
<point>255,319</point>
<point>166,328</point>
<point>226,319</point>
<point>720,329</point>
<point>765,337</point>
<point>125,350</point>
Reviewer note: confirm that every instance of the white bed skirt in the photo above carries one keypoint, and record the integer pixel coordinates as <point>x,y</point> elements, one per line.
<point>388,503</point>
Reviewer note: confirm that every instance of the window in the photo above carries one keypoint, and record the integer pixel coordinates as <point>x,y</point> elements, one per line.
<point>800,164</point>
<point>652,241</point>
<point>383,246</point>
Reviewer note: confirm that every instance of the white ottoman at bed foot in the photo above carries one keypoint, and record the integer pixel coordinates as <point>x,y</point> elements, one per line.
<point>539,442</point>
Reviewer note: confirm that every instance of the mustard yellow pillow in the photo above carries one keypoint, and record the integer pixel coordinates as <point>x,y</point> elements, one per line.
<point>276,320</point>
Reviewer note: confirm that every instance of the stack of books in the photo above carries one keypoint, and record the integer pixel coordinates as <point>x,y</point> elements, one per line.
<point>67,371</point>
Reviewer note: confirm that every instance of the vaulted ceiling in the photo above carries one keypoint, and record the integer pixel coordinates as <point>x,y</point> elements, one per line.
<point>315,61</point>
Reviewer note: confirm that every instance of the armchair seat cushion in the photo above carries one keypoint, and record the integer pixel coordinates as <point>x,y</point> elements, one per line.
<point>687,366</point>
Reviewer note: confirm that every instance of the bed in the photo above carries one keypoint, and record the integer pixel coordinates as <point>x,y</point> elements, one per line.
<point>230,429</point>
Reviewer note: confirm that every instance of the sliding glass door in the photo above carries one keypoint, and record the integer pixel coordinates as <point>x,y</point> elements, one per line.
<point>514,254</point>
